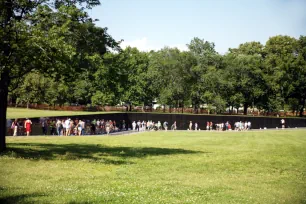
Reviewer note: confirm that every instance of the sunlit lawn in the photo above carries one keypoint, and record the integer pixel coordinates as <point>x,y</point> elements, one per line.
<point>156,167</point>
<point>32,113</point>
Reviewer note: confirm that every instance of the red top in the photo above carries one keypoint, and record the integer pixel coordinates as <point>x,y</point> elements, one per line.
<point>28,126</point>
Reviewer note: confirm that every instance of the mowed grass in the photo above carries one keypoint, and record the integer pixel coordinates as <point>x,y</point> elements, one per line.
<point>157,167</point>
<point>13,113</point>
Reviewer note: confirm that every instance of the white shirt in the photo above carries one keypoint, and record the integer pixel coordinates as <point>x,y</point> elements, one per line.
<point>67,123</point>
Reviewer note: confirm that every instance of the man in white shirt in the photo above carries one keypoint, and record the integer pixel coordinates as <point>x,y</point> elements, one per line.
<point>134,125</point>
<point>249,125</point>
<point>283,123</point>
<point>67,124</point>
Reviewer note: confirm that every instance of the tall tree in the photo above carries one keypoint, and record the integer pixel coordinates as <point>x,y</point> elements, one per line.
<point>33,89</point>
<point>169,72</point>
<point>207,58</point>
<point>134,68</point>
<point>39,35</point>
<point>244,74</point>
<point>281,53</point>
<point>299,76</point>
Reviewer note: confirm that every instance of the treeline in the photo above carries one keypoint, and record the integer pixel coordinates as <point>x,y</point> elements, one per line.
<point>270,77</point>
<point>52,52</point>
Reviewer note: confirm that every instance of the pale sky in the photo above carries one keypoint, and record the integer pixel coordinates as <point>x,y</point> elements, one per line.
<point>153,24</point>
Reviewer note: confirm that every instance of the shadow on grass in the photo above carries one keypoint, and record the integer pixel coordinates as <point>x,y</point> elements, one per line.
<point>21,198</point>
<point>87,152</point>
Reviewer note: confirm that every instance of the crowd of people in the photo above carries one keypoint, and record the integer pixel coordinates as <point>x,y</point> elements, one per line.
<point>238,126</point>
<point>151,126</point>
<point>78,127</point>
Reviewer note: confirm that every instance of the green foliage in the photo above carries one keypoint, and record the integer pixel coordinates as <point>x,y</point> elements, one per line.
<point>169,72</point>
<point>279,66</point>
<point>102,98</point>
<point>33,89</point>
<point>244,74</point>
<point>55,54</point>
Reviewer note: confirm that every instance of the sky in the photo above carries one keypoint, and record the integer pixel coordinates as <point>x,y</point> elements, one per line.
<point>154,24</point>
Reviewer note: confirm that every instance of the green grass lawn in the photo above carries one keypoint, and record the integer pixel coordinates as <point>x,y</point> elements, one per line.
<point>157,167</point>
<point>32,113</point>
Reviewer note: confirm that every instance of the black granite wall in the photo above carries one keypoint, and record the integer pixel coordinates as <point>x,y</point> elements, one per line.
<point>183,120</point>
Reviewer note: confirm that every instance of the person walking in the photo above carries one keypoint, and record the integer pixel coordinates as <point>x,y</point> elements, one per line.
<point>82,123</point>
<point>68,126</point>
<point>165,125</point>
<point>158,125</point>
<point>123,125</point>
<point>27,126</point>
<point>173,126</point>
<point>52,127</point>
<point>59,127</point>
<point>14,127</point>
<point>283,123</point>
<point>79,128</point>
<point>138,126</point>
<point>44,126</point>
<point>107,127</point>
<point>134,125</point>
<point>190,125</point>
<point>195,126</point>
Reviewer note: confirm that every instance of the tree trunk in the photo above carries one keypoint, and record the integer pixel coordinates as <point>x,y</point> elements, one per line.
<point>245,109</point>
<point>5,77</point>
<point>302,108</point>
<point>4,83</point>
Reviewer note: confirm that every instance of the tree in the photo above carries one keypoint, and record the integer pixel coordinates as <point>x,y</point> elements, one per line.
<point>40,35</point>
<point>244,75</point>
<point>33,89</point>
<point>299,76</point>
<point>207,58</point>
<point>281,53</point>
<point>102,98</point>
<point>214,86</point>
<point>134,66</point>
<point>169,74</point>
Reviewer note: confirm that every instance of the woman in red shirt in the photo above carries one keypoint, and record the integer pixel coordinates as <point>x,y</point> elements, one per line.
<point>27,126</point>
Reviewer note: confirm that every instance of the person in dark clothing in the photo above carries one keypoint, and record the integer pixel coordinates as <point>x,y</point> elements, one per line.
<point>44,126</point>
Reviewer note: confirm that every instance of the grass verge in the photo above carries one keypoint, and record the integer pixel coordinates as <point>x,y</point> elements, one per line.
<point>156,167</point>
